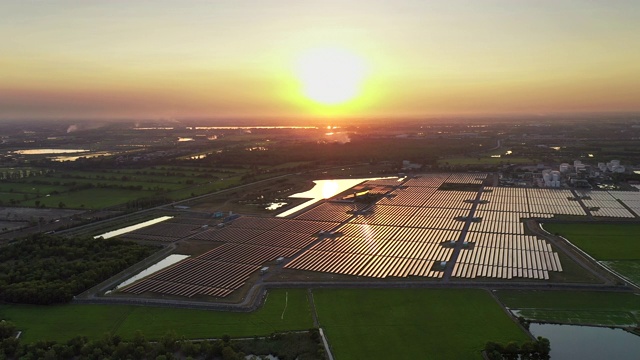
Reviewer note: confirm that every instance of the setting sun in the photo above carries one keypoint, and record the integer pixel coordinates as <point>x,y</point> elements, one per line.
<point>331,76</point>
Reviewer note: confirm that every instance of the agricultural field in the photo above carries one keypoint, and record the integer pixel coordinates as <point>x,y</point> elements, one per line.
<point>283,310</point>
<point>98,189</point>
<point>602,241</point>
<point>629,268</point>
<point>574,307</point>
<point>412,323</point>
<point>616,245</point>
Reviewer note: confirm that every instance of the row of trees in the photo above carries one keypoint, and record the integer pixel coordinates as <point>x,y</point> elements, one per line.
<point>169,346</point>
<point>533,350</point>
<point>46,269</point>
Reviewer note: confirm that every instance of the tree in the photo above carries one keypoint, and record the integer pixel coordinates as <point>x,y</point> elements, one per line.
<point>7,329</point>
<point>543,347</point>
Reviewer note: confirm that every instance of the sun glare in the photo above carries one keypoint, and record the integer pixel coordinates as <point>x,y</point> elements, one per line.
<point>331,76</point>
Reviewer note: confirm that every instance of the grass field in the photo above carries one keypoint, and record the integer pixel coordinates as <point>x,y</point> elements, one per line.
<point>629,268</point>
<point>602,241</point>
<point>93,198</point>
<point>412,323</point>
<point>63,322</point>
<point>574,307</point>
<point>115,187</point>
<point>617,245</point>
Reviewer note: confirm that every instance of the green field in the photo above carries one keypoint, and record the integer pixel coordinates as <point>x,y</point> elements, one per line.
<point>574,307</point>
<point>105,188</point>
<point>629,268</point>
<point>63,322</point>
<point>617,245</point>
<point>602,241</point>
<point>412,323</point>
<point>92,198</point>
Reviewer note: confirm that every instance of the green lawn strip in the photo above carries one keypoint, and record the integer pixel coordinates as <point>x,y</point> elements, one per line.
<point>94,198</point>
<point>628,268</point>
<point>412,323</point>
<point>154,322</point>
<point>203,189</point>
<point>63,322</point>
<point>29,188</point>
<point>7,197</point>
<point>146,183</point>
<point>609,305</point>
<point>288,165</point>
<point>602,241</point>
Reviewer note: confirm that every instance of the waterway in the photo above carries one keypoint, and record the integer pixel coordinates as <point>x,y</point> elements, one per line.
<point>127,229</point>
<point>588,342</point>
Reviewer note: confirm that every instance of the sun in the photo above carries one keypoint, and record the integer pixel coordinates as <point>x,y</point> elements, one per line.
<point>331,76</point>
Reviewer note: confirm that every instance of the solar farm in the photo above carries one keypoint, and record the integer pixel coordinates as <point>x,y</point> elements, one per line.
<point>429,227</point>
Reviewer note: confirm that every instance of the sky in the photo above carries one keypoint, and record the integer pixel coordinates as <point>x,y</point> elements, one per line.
<point>241,58</point>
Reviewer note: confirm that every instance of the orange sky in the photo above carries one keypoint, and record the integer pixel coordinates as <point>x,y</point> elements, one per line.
<point>220,59</point>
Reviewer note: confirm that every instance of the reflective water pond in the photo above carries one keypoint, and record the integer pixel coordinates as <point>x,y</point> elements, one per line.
<point>275,205</point>
<point>323,189</point>
<point>588,342</point>
<point>164,263</point>
<point>49,151</point>
<point>127,229</point>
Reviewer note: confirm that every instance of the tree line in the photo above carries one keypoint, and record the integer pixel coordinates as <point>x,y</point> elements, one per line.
<point>47,269</point>
<point>530,350</point>
<point>288,346</point>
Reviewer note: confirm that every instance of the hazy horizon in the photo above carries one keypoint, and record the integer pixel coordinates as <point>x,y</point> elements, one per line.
<point>224,60</point>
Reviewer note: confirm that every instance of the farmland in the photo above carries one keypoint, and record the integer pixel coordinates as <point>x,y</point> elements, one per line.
<point>97,189</point>
<point>574,307</point>
<point>602,241</point>
<point>382,323</point>
<point>616,245</point>
<point>412,323</point>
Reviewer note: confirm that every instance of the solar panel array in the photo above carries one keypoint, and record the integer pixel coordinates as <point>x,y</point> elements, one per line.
<point>168,231</point>
<point>248,243</point>
<point>629,198</point>
<point>402,235</point>
<point>506,256</point>
<point>602,203</point>
<point>462,178</point>
<point>430,180</point>
<point>553,201</point>
<point>336,212</point>
<point>498,246</point>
